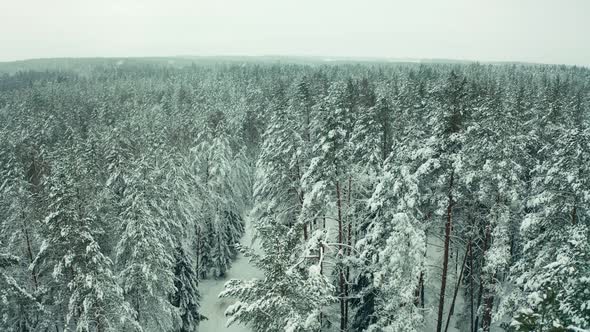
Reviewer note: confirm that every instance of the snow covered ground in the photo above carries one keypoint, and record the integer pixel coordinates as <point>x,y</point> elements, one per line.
<point>214,307</point>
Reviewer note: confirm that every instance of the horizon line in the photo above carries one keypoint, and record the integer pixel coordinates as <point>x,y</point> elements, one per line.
<point>321,58</point>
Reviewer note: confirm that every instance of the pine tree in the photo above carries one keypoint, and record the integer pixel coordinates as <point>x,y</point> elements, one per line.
<point>144,250</point>
<point>19,309</point>
<point>325,179</point>
<point>222,197</point>
<point>495,165</point>
<point>186,297</point>
<point>20,234</point>
<point>551,272</point>
<point>279,169</point>
<point>392,250</point>
<point>293,293</point>
<point>447,122</point>
<point>371,139</point>
<point>94,299</point>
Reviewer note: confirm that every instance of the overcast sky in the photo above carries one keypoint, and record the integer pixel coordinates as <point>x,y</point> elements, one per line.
<point>548,31</point>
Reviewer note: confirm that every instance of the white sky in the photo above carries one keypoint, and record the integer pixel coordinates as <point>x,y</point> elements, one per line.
<point>549,31</point>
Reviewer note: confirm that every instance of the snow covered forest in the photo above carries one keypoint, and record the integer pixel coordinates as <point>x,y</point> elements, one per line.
<point>379,196</point>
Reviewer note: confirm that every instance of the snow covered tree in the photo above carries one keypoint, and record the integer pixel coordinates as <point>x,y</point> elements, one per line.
<point>294,291</point>
<point>19,234</point>
<point>371,138</point>
<point>327,175</point>
<point>446,123</point>
<point>279,169</point>
<point>495,156</point>
<point>186,297</point>
<point>222,225</point>
<point>145,249</point>
<point>552,271</point>
<point>19,309</point>
<point>370,141</point>
<point>393,268</point>
<point>83,275</point>
<point>392,250</point>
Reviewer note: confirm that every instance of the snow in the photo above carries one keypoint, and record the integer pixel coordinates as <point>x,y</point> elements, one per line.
<point>214,307</point>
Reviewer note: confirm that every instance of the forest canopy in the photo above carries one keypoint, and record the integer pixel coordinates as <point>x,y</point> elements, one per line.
<point>382,196</point>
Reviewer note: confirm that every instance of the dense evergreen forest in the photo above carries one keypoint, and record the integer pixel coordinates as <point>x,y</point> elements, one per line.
<point>383,196</point>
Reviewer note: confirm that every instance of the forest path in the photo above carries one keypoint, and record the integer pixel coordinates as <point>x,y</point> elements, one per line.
<point>214,307</point>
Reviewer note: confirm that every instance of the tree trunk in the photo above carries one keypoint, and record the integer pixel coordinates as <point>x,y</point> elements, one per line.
<point>443,283</point>
<point>481,289</point>
<point>489,298</point>
<point>422,296</point>
<point>301,197</point>
<point>137,309</point>
<point>419,289</point>
<point>456,260</point>
<point>99,324</point>
<point>29,252</point>
<point>487,312</point>
<point>349,250</point>
<point>340,272</point>
<point>458,284</point>
<point>574,214</point>
<point>198,267</point>
<point>471,284</point>
<point>321,262</point>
